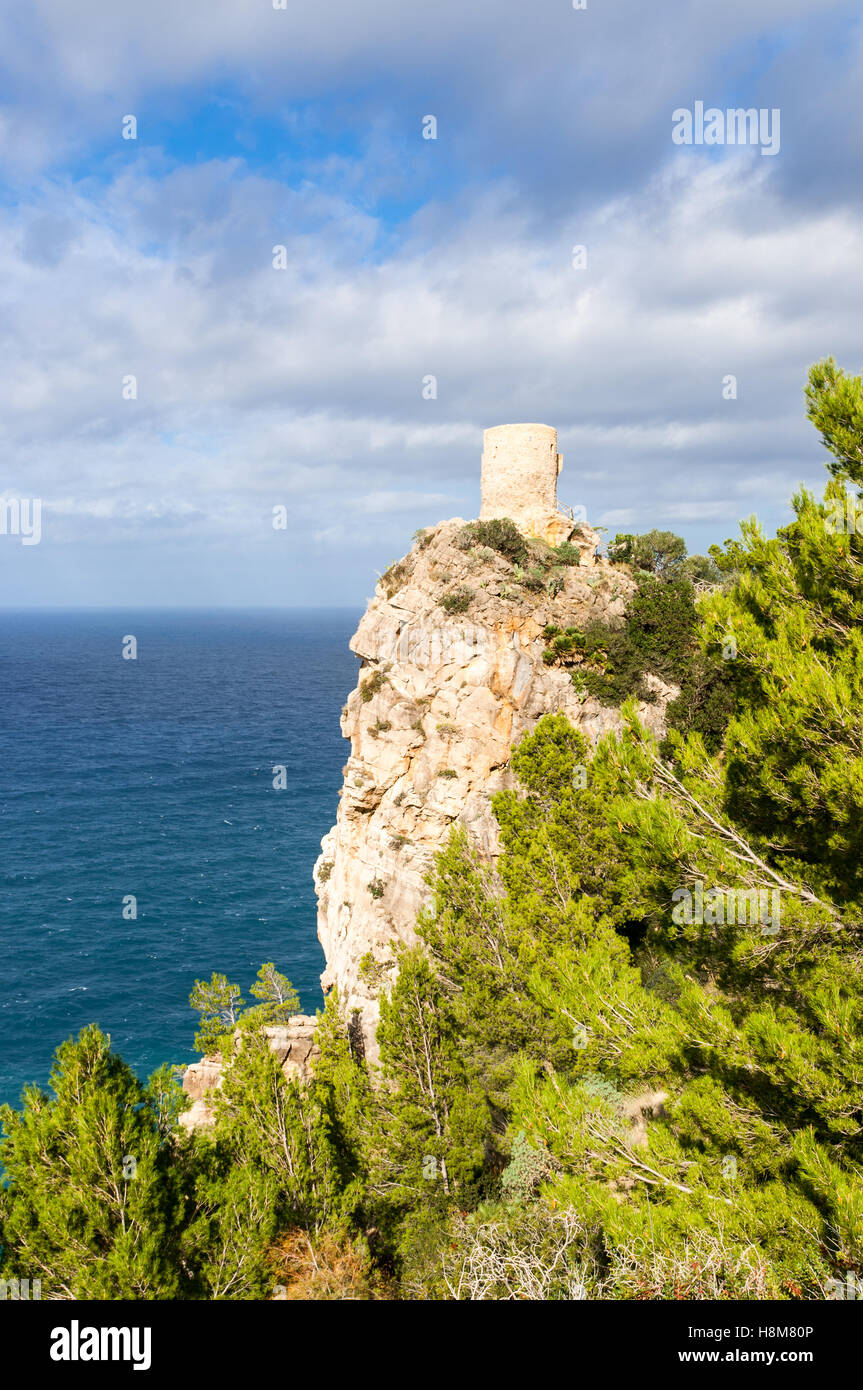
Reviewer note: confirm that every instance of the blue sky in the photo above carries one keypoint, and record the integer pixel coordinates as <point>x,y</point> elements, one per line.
<point>405,257</point>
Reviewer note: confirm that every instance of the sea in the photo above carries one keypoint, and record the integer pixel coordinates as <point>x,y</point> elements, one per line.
<point>160,816</point>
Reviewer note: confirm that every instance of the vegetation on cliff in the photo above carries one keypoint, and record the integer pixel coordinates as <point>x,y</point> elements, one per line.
<point>626,1063</point>
<point>660,637</point>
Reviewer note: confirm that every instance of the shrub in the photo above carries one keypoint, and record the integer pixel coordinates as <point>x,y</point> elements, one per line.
<point>563,644</point>
<point>323,1266</point>
<point>457,602</point>
<point>373,972</point>
<point>664,554</point>
<point>501,535</point>
<point>657,552</point>
<point>568,554</point>
<point>377,888</point>
<point>659,636</point>
<point>370,688</point>
<point>527,1168</point>
<point>534,578</point>
<point>702,569</point>
<point>395,575</point>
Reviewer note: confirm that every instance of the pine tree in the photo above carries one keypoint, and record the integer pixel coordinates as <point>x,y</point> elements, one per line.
<point>432,1121</point>
<point>96,1177</point>
<point>276,993</point>
<point>795,751</point>
<point>220,1005</point>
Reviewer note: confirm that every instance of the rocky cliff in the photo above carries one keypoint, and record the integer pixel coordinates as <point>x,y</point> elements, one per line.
<point>452,675</point>
<point>292,1043</point>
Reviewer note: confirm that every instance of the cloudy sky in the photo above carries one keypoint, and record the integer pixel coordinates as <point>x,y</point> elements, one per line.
<point>302,387</point>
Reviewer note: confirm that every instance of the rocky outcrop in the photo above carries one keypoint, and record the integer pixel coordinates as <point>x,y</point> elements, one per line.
<point>293,1043</point>
<point>199,1082</point>
<point>452,675</point>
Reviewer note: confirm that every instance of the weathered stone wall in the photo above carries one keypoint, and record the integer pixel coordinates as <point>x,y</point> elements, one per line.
<point>520,465</point>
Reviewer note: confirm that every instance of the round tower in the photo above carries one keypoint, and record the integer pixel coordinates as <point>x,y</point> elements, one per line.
<point>520,464</point>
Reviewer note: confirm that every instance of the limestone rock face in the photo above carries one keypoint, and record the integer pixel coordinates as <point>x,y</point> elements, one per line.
<point>199,1081</point>
<point>293,1044</point>
<point>440,700</point>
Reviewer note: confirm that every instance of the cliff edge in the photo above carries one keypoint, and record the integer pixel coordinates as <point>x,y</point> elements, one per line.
<point>452,675</point>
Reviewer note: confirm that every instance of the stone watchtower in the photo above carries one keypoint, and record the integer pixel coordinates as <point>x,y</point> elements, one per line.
<point>520,464</point>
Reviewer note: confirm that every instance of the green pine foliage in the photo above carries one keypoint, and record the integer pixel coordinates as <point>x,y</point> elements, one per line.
<point>223,1009</point>
<point>625,1062</point>
<point>278,999</point>
<point>659,638</point>
<point>93,1196</point>
<point>220,1004</point>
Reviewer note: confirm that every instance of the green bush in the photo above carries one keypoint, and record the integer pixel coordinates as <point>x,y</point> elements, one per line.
<point>375,683</point>
<point>528,1167</point>
<point>663,554</point>
<point>395,575</point>
<point>659,636</point>
<point>501,535</point>
<point>458,601</point>
<point>657,552</point>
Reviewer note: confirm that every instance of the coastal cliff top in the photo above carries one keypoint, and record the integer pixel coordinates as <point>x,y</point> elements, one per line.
<point>486,573</point>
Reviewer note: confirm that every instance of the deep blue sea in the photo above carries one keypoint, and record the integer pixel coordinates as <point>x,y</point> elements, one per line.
<point>154,778</point>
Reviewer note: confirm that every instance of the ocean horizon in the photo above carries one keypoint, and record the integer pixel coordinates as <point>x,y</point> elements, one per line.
<point>151,779</point>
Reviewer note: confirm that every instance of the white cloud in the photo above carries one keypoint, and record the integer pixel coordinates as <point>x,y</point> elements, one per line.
<point>303,387</point>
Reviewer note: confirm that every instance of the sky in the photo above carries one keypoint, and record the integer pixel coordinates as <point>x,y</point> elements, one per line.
<point>167,379</point>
